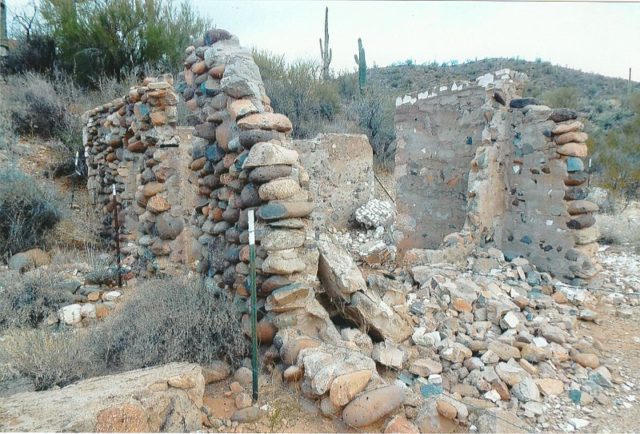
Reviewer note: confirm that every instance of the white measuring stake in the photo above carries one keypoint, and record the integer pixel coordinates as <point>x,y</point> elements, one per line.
<point>114,190</point>
<point>252,234</point>
<point>589,163</point>
<point>77,156</point>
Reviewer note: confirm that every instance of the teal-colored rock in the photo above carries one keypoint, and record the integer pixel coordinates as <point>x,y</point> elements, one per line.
<point>428,390</point>
<point>272,211</point>
<point>180,87</point>
<point>526,239</point>
<point>214,153</point>
<point>574,164</point>
<point>406,378</point>
<point>240,160</point>
<point>575,395</point>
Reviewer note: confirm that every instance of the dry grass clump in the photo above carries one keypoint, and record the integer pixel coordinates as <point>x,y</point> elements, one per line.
<point>621,228</point>
<point>172,320</point>
<point>163,321</point>
<point>27,300</point>
<point>27,212</point>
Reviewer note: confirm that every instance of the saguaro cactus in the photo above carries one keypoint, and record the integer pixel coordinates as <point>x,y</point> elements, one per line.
<point>361,61</point>
<point>325,51</point>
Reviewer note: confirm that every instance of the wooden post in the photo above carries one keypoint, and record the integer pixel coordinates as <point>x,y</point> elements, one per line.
<point>254,305</point>
<point>117,236</point>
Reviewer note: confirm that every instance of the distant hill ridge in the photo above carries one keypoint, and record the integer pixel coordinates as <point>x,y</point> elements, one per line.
<point>601,100</point>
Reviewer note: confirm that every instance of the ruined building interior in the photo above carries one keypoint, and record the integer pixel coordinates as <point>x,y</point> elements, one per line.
<point>478,168</point>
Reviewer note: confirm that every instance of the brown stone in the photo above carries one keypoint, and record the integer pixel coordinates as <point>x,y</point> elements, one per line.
<point>266,121</point>
<point>136,146</point>
<point>217,71</point>
<point>153,188</point>
<point>573,149</point>
<point>567,127</point>
<point>571,137</point>
<point>372,406</point>
<point>345,387</point>
<point>158,117</point>
<point>559,298</point>
<point>199,67</point>
<point>158,204</point>
<point>198,164</point>
<point>587,360</point>
<point>581,207</point>
<point>446,409</point>
<point>123,418</point>
<point>502,390</point>
<point>101,311</point>
<point>462,305</point>
<point>215,371</point>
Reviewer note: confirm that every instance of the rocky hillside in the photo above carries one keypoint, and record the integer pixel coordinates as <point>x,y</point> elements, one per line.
<point>602,100</point>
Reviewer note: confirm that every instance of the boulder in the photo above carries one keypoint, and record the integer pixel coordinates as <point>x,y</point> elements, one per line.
<point>345,387</point>
<point>28,260</point>
<point>141,400</point>
<point>372,406</point>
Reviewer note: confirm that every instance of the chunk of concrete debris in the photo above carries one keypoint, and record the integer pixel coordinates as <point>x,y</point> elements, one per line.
<point>376,213</point>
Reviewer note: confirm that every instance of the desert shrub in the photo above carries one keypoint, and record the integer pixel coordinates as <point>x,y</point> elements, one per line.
<point>31,103</point>
<point>623,227</point>
<point>27,212</point>
<point>568,97</point>
<point>617,155</point>
<point>297,91</point>
<point>51,358</point>
<point>27,300</point>
<point>171,320</point>
<point>375,111</point>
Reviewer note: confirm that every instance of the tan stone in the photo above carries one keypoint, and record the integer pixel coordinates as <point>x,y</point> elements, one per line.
<point>571,137</point>
<point>198,164</point>
<point>266,121</point>
<point>241,108</point>
<point>279,189</point>
<point>293,373</point>
<point>590,250</point>
<point>550,386</point>
<point>93,296</point>
<point>215,371</point>
<point>575,207</point>
<point>587,360</point>
<point>559,298</point>
<point>199,67</point>
<point>372,406</point>
<point>158,204</point>
<point>123,418</point>
<point>158,117</point>
<point>462,305</point>
<point>567,128</point>
<point>445,409</point>
<point>400,424</point>
<point>153,188</point>
<point>101,311</point>
<point>573,149</point>
<point>345,387</point>
<point>586,236</point>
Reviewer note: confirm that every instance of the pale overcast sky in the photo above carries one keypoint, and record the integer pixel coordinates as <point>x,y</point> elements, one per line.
<point>594,37</point>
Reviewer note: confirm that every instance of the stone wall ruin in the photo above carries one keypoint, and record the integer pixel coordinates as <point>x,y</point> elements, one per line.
<point>475,160</point>
<point>478,159</point>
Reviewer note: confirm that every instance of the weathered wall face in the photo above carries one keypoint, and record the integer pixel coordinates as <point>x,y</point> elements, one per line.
<point>340,170</point>
<point>436,141</point>
<point>128,143</point>
<point>510,191</point>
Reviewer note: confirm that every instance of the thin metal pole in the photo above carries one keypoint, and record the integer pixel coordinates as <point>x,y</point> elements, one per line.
<point>254,305</point>
<point>117,225</point>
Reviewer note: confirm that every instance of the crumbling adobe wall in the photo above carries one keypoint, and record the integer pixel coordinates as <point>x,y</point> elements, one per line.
<point>341,179</point>
<point>511,191</point>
